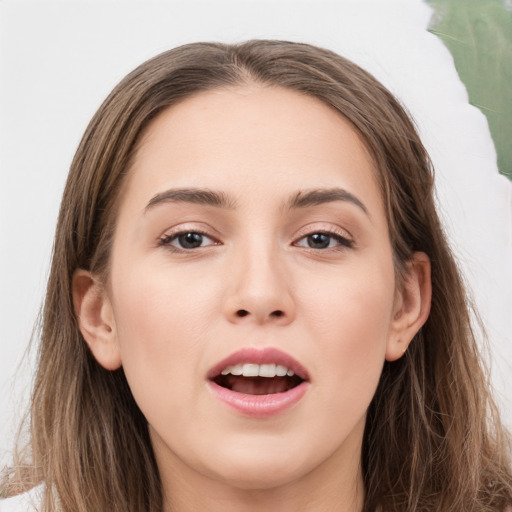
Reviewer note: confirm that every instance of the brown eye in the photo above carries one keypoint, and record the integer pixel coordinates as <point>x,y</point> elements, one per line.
<point>323,240</point>
<point>187,240</point>
<point>190,240</point>
<point>318,241</point>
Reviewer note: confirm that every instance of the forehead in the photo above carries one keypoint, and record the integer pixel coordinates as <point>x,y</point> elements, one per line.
<point>260,139</point>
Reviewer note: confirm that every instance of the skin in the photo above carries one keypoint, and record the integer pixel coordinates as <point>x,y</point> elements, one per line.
<point>169,314</point>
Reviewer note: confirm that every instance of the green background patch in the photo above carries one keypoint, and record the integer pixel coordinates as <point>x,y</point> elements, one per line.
<point>478,34</point>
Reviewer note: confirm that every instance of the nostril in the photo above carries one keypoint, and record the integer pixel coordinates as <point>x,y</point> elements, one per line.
<point>275,314</point>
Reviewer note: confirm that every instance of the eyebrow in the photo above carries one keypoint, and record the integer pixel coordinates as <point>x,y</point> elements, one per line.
<point>316,197</point>
<point>192,195</point>
<point>302,199</point>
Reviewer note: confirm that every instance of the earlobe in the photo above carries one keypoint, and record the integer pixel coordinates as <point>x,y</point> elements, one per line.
<point>96,319</point>
<point>412,306</point>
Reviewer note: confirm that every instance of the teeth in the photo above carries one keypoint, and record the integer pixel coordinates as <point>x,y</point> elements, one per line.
<point>267,370</point>
<point>250,370</point>
<point>281,370</point>
<point>234,370</point>
<point>258,370</point>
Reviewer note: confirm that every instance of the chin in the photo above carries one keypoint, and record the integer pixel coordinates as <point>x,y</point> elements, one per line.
<point>262,468</point>
<point>259,477</point>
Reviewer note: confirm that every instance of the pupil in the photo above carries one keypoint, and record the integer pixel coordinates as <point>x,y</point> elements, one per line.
<point>319,241</point>
<point>190,240</point>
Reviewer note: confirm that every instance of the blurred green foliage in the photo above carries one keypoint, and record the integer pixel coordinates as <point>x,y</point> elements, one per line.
<point>478,34</point>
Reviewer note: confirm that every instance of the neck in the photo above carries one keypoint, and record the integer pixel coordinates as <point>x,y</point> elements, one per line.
<point>271,500</point>
<point>307,495</point>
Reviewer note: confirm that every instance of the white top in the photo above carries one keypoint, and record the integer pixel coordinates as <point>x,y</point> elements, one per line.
<point>26,502</point>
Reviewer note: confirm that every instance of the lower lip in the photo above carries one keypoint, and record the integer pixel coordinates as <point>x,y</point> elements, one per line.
<point>259,406</point>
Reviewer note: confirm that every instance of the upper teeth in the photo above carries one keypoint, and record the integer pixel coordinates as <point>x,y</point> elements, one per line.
<point>258,370</point>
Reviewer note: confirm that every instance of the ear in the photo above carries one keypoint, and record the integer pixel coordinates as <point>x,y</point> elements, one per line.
<point>411,307</point>
<point>96,319</point>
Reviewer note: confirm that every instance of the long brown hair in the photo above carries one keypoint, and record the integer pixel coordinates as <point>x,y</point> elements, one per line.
<point>433,440</point>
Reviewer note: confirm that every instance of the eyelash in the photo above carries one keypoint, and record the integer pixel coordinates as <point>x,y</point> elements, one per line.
<point>167,239</point>
<point>343,242</point>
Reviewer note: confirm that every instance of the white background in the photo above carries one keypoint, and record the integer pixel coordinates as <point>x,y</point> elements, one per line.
<point>59,60</point>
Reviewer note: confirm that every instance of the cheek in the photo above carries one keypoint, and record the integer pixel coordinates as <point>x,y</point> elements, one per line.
<point>350,321</point>
<point>162,298</point>
<point>162,320</point>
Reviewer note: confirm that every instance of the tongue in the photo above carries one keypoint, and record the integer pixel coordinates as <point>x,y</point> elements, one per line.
<point>258,385</point>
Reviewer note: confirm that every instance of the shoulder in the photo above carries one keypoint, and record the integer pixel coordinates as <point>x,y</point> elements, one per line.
<point>26,502</point>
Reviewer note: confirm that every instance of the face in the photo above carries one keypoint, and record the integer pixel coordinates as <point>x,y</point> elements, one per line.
<point>252,239</point>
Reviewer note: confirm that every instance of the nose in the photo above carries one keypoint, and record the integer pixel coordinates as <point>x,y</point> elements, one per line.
<point>259,290</point>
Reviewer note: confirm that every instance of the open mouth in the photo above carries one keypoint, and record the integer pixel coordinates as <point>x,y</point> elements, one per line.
<point>259,383</point>
<point>254,379</point>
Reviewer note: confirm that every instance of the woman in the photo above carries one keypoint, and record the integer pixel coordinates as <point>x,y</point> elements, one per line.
<point>252,305</point>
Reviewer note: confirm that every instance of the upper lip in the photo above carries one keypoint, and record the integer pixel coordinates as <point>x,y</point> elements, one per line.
<point>266,355</point>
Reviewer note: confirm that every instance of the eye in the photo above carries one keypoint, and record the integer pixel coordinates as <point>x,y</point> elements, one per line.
<point>324,240</point>
<point>187,240</point>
